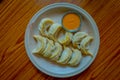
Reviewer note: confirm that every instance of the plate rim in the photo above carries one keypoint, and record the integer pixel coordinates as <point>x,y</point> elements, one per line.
<point>73,6</point>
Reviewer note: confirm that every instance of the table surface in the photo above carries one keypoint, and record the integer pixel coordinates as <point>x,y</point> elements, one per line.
<point>14,17</point>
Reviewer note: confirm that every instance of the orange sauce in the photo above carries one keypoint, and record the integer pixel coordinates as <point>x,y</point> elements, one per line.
<point>71,21</point>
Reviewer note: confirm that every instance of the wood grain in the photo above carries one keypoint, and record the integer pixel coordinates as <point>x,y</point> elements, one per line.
<point>14,17</point>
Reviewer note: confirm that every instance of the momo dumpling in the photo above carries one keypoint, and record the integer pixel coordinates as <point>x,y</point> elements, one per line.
<point>54,29</point>
<point>78,37</point>
<point>84,44</point>
<point>76,57</point>
<point>86,40</point>
<point>49,48</point>
<point>44,26</point>
<point>65,56</point>
<point>57,52</point>
<point>41,43</point>
<point>66,38</point>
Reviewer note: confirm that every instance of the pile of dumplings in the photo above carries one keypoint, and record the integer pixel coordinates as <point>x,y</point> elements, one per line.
<point>59,45</point>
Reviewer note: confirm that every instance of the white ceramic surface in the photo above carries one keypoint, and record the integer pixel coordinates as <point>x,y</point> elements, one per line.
<point>55,12</point>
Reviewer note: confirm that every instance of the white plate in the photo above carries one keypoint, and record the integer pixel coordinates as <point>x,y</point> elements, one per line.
<point>55,12</point>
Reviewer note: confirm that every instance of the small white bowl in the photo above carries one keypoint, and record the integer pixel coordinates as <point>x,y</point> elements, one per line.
<point>56,12</point>
<point>74,12</point>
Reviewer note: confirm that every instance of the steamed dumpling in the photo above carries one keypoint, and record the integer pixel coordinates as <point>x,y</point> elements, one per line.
<point>57,52</point>
<point>54,29</point>
<point>49,49</point>
<point>41,44</point>
<point>66,38</point>
<point>78,37</point>
<point>44,26</point>
<point>86,40</point>
<point>65,56</point>
<point>84,44</point>
<point>76,57</point>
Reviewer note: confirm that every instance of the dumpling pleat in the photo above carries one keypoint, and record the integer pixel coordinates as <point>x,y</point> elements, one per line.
<point>76,57</point>
<point>41,44</point>
<point>66,55</point>
<point>44,25</point>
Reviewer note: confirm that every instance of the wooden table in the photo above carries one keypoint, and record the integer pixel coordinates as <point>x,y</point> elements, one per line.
<point>14,17</point>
